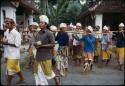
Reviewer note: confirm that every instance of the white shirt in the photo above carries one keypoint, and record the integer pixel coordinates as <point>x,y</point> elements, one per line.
<point>104,41</point>
<point>75,42</point>
<point>5,35</point>
<point>13,37</point>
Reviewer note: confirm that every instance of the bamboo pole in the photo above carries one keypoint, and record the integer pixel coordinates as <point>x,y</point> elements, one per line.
<point>83,32</point>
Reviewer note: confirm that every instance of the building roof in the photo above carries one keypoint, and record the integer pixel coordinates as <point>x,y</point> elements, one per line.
<point>25,4</point>
<point>105,6</point>
<point>28,5</point>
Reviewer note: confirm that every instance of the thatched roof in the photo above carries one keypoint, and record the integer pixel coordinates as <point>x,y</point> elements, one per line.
<point>105,6</point>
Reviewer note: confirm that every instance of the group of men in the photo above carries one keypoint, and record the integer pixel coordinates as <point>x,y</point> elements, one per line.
<point>42,47</point>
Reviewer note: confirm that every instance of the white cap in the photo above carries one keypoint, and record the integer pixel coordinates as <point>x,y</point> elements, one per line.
<point>71,25</point>
<point>62,25</point>
<point>74,27</point>
<point>78,24</point>
<point>34,23</point>
<point>105,27</point>
<point>121,25</point>
<point>90,28</point>
<point>53,28</point>
<point>44,18</point>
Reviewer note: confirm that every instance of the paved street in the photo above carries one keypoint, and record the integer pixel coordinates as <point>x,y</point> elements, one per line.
<point>107,75</point>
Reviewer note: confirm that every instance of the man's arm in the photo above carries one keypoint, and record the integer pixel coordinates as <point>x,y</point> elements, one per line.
<point>17,41</point>
<point>51,43</point>
<point>77,38</point>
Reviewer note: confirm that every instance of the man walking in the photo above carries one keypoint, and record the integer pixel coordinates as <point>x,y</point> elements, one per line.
<point>120,45</point>
<point>44,44</point>
<point>12,54</point>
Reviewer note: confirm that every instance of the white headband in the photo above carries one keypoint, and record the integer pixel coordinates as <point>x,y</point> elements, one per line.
<point>44,18</point>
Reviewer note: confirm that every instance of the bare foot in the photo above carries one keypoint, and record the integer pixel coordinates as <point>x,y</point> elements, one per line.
<point>20,81</point>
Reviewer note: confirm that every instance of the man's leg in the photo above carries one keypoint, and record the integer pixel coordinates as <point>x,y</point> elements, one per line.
<point>9,79</point>
<point>57,80</point>
<point>21,80</point>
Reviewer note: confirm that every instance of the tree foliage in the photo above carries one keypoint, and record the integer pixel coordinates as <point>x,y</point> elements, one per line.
<point>60,11</point>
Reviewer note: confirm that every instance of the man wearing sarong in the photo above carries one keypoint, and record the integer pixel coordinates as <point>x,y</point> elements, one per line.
<point>120,46</point>
<point>44,44</point>
<point>12,54</point>
<point>105,41</point>
<point>63,39</point>
<point>88,48</point>
<point>77,45</point>
<point>31,37</point>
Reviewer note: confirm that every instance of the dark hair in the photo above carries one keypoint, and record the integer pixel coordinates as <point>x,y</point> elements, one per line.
<point>47,25</point>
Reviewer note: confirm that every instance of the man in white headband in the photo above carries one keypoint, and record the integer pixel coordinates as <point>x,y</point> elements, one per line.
<point>31,37</point>
<point>105,41</point>
<point>44,44</point>
<point>63,39</point>
<point>88,47</point>
<point>12,53</point>
<point>120,46</point>
<point>77,46</point>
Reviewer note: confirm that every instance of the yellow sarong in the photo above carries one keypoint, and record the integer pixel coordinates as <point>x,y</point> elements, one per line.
<point>105,54</point>
<point>97,49</point>
<point>97,52</point>
<point>120,52</point>
<point>46,67</point>
<point>13,66</point>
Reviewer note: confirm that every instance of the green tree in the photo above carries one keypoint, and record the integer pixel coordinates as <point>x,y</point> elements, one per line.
<point>61,10</point>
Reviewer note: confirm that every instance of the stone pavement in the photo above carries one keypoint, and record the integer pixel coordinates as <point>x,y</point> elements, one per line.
<point>107,75</point>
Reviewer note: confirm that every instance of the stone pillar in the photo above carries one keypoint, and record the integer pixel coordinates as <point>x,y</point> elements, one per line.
<point>9,12</point>
<point>98,20</point>
<point>30,19</point>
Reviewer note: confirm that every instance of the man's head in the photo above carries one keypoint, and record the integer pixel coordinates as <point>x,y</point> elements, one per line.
<point>63,26</point>
<point>89,30</point>
<point>105,29</point>
<point>121,26</point>
<point>78,26</point>
<point>44,21</point>
<point>34,26</point>
<point>9,23</point>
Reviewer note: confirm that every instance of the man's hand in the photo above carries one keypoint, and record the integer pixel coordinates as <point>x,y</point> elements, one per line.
<point>74,35</point>
<point>36,45</point>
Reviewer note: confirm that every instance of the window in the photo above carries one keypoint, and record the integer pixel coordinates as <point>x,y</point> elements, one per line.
<point>4,14</point>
